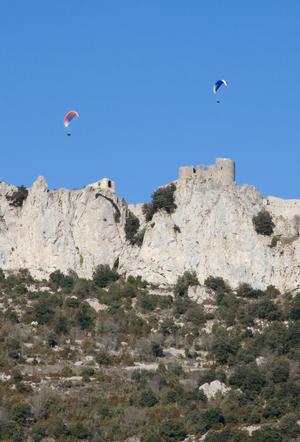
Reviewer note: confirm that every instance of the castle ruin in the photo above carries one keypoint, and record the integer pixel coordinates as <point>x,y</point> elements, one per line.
<point>222,172</point>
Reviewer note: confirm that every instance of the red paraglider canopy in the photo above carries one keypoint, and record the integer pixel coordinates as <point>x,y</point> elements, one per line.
<point>69,117</point>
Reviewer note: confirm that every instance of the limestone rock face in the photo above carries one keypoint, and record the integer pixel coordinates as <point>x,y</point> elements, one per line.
<point>211,232</point>
<point>213,388</point>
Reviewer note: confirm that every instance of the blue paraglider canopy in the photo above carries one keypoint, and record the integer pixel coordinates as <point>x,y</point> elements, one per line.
<point>218,84</point>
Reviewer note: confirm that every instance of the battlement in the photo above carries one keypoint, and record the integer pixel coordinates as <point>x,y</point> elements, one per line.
<point>222,172</point>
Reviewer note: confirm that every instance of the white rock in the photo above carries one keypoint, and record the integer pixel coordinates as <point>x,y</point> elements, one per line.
<point>211,389</point>
<point>260,360</point>
<point>80,229</point>
<point>200,293</point>
<point>95,304</point>
<point>5,377</point>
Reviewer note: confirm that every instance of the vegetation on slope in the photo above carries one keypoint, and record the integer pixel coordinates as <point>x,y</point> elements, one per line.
<point>108,358</point>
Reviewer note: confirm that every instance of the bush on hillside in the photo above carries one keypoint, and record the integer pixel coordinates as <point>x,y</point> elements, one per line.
<point>184,282</point>
<point>132,233</point>
<point>263,223</point>
<point>104,275</point>
<point>18,197</point>
<point>216,283</point>
<point>162,198</point>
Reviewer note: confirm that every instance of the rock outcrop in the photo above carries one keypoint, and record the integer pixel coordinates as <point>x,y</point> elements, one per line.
<point>214,233</point>
<point>213,388</point>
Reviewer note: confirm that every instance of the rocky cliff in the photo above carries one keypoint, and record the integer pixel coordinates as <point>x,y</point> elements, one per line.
<point>214,234</point>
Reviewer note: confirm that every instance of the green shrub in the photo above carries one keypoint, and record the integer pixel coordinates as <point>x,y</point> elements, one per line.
<point>171,430</point>
<point>157,350</point>
<point>195,315</point>
<point>274,409</point>
<point>43,311</point>
<point>59,429</point>
<point>9,429</point>
<point>216,283</point>
<point>103,275</point>
<point>223,346</point>
<point>18,197</point>
<point>211,419</point>
<point>280,371</point>
<point>148,302</point>
<point>266,309</point>
<point>85,316</point>
<point>13,347</point>
<point>275,337</point>
<point>246,291</point>
<point>58,279</point>
<point>11,315</point>
<point>267,433</point>
<point>184,282</point>
<point>227,435</point>
<point>295,308</point>
<point>148,399</point>
<point>61,325</point>
<point>104,358</point>
<point>289,427</point>
<point>162,198</point>
<point>263,223</point>
<point>249,378</point>
<point>21,413</point>
<point>132,225</point>
<point>39,431</point>
<point>79,431</point>
<point>72,302</point>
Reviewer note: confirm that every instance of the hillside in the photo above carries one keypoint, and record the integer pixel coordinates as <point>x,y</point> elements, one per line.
<point>115,359</point>
<point>174,320</point>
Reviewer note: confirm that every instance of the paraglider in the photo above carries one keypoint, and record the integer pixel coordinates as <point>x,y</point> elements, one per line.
<point>69,117</point>
<point>217,86</point>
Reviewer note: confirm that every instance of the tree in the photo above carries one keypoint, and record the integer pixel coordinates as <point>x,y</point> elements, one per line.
<point>211,418</point>
<point>267,309</point>
<point>246,291</point>
<point>62,325</point>
<point>84,316</point>
<point>249,378</point>
<point>227,435</point>
<point>263,223</point>
<point>132,225</point>
<point>223,346</point>
<point>147,399</point>
<point>295,308</point>
<point>267,433</point>
<point>58,279</point>
<point>103,275</point>
<point>280,371</point>
<point>184,282</point>
<point>171,430</point>
<point>43,311</point>
<point>195,315</point>
<point>216,283</point>
<point>21,413</point>
<point>288,426</point>
<point>162,198</point>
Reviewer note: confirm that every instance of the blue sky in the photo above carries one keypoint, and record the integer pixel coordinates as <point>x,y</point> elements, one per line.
<point>140,73</point>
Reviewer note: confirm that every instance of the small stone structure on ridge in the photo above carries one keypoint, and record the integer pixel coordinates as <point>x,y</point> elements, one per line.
<point>222,172</point>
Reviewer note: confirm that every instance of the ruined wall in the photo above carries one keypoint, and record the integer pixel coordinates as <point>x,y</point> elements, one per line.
<point>222,172</point>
